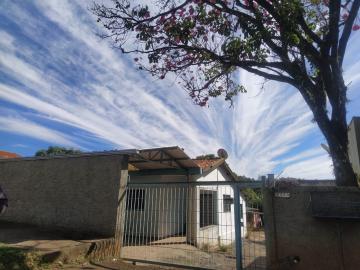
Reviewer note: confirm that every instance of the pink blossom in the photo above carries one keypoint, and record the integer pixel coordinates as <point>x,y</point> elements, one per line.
<point>356,27</point>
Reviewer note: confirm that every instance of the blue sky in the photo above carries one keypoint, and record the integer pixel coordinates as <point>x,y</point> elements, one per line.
<point>60,84</point>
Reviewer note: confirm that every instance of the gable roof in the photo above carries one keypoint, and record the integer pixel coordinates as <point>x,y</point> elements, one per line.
<point>5,154</point>
<point>229,172</point>
<point>209,164</point>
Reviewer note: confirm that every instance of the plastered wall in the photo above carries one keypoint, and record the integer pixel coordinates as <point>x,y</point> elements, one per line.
<point>77,194</point>
<point>297,240</point>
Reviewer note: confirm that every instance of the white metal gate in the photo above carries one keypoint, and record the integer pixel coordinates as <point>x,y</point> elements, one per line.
<point>197,225</point>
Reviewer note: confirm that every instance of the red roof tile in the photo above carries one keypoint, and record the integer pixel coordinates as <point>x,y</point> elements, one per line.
<point>206,163</point>
<point>4,154</point>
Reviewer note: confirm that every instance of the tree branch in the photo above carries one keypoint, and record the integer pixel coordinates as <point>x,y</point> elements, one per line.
<point>347,30</point>
<point>333,34</point>
<point>269,76</point>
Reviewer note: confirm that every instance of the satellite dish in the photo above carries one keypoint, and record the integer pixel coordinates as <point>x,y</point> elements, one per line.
<point>222,153</point>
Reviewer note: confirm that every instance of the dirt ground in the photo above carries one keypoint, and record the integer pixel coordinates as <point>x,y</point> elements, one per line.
<point>118,265</point>
<point>170,250</point>
<point>181,253</point>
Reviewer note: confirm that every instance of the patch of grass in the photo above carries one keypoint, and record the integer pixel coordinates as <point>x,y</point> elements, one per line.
<point>226,248</point>
<point>205,247</point>
<point>17,259</point>
<point>223,248</point>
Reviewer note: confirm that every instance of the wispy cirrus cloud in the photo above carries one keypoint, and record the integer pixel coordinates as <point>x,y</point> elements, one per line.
<point>53,65</point>
<point>19,125</point>
<point>305,169</point>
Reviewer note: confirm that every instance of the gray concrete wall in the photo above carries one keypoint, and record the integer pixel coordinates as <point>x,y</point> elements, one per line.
<point>293,234</point>
<point>77,194</point>
<point>354,144</point>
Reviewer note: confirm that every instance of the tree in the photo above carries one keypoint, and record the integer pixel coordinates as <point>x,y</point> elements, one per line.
<point>56,151</point>
<point>207,156</point>
<point>253,197</point>
<point>204,42</point>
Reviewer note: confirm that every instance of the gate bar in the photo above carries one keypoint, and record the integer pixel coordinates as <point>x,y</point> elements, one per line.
<point>238,223</point>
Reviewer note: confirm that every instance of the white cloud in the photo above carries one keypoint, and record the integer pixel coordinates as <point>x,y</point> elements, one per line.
<point>25,127</point>
<point>266,125</point>
<point>310,153</point>
<point>319,167</point>
<point>6,40</point>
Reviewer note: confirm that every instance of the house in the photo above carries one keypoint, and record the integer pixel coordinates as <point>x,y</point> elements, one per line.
<point>168,193</point>
<point>188,206</point>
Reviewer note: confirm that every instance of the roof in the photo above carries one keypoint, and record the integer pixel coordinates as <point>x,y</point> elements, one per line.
<point>5,154</point>
<point>172,157</point>
<point>210,164</point>
<point>207,163</point>
<point>229,171</point>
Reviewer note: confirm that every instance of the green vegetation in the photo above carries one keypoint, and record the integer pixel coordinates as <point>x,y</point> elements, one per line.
<point>244,178</point>
<point>17,259</point>
<point>226,248</point>
<point>207,156</point>
<point>13,258</point>
<point>205,247</point>
<point>253,197</point>
<point>56,151</point>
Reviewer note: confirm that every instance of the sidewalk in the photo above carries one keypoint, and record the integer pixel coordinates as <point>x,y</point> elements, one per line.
<point>109,266</point>
<point>53,247</point>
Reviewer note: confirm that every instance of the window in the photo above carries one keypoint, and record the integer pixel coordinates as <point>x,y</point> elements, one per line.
<point>208,208</point>
<point>227,202</point>
<point>135,199</point>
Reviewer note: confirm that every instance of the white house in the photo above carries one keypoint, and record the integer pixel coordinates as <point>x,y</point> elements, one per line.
<point>183,205</point>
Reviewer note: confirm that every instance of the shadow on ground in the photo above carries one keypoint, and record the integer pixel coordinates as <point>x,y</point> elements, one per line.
<point>258,264</point>
<point>23,246</point>
<point>14,233</point>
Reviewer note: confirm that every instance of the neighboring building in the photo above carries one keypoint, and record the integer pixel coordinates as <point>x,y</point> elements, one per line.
<point>4,154</point>
<point>354,144</point>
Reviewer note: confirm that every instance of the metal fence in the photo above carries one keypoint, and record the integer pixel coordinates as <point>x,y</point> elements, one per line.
<point>201,225</point>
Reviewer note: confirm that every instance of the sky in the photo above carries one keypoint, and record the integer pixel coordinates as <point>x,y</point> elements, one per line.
<point>60,84</point>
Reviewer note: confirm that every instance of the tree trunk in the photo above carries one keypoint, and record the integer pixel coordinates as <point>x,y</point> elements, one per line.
<point>344,173</point>
<point>336,134</point>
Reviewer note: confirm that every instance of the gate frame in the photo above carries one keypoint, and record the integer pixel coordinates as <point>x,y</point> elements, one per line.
<point>236,186</point>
